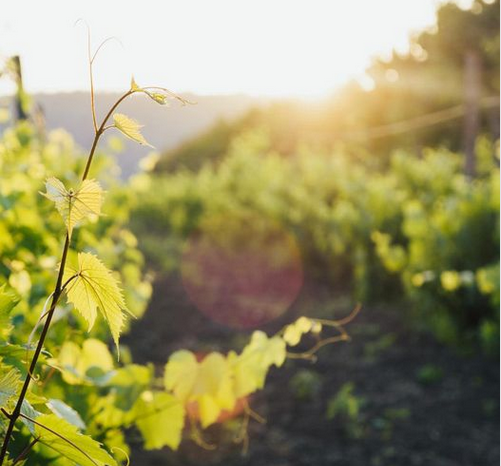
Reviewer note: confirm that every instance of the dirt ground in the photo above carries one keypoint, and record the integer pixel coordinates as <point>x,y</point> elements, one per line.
<point>417,402</point>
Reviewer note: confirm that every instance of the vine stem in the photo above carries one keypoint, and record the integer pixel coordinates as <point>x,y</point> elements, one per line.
<point>16,413</point>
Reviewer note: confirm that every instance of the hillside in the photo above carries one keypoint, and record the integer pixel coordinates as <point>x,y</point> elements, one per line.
<point>164,128</point>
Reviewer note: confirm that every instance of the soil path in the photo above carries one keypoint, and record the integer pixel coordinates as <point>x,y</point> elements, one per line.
<point>419,402</point>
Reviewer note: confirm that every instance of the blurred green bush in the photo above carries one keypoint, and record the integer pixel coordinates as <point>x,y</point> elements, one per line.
<point>30,230</point>
<point>417,229</point>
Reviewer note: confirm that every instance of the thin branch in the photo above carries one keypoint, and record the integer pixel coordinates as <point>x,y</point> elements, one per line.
<point>23,454</point>
<point>310,354</point>
<point>91,76</point>
<point>101,46</point>
<point>249,411</point>
<point>100,132</point>
<point>197,437</point>
<point>340,322</point>
<point>170,93</point>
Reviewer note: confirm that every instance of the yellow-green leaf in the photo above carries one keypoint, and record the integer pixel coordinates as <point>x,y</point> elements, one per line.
<point>129,127</point>
<point>74,206</point>
<point>213,388</point>
<point>159,97</point>
<point>160,419</point>
<point>95,287</point>
<point>83,365</point>
<point>181,373</point>
<point>9,382</point>
<point>7,302</point>
<point>251,366</point>
<point>294,331</point>
<point>209,383</point>
<point>133,85</point>
<point>65,438</point>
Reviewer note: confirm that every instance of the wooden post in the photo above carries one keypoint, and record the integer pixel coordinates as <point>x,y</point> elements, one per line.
<point>472,95</point>
<point>20,97</point>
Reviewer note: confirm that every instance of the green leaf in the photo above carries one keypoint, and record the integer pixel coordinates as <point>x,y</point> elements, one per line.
<point>74,206</point>
<point>95,287</point>
<point>128,383</point>
<point>19,356</point>
<point>9,382</point>
<point>30,412</point>
<point>61,409</point>
<point>91,364</point>
<point>65,438</point>
<point>130,128</point>
<point>7,302</point>
<point>160,419</point>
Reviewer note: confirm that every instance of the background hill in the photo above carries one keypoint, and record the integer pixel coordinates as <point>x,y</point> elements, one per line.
<point>164,128</point>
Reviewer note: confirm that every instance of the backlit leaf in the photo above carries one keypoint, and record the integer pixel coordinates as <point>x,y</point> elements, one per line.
<point>160,419</point>
<point>74,206</point>
<point>65,438</point>
<point>158,97</point>
<point>130,128</point>
<point>95,287</point>
<point>208,383</point>
<point>86,365</point>
<point>9,382</point>
<point>61,409</point>
<point>7,303</point>
<point>180,373</point>
<point>251,366</point>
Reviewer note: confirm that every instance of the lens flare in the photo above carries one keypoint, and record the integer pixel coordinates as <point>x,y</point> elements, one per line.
<point>242,272</point>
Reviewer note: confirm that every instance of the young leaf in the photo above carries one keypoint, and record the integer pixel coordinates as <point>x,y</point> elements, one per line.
<point>160,419</point>
<point>75,205</point>
<point>158,97</point>
<point>130,128</point>
<point>133,85</point>
<point>294,331</point>
<point>95,287</point>
<point>65,438</point>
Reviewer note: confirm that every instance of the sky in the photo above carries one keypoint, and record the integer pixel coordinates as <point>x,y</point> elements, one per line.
<point>278,48</point>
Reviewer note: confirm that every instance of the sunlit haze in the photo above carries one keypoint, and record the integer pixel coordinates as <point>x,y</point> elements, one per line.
<point>258,47</point>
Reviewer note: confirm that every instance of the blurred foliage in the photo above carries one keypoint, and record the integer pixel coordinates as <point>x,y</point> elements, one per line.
<point>31,233</point>
<point>346,406</point>
<point>373,209</point>
<point>418,229</point>
<point>306,384</point>
<point>429,374</point>
<point>81,396</point>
